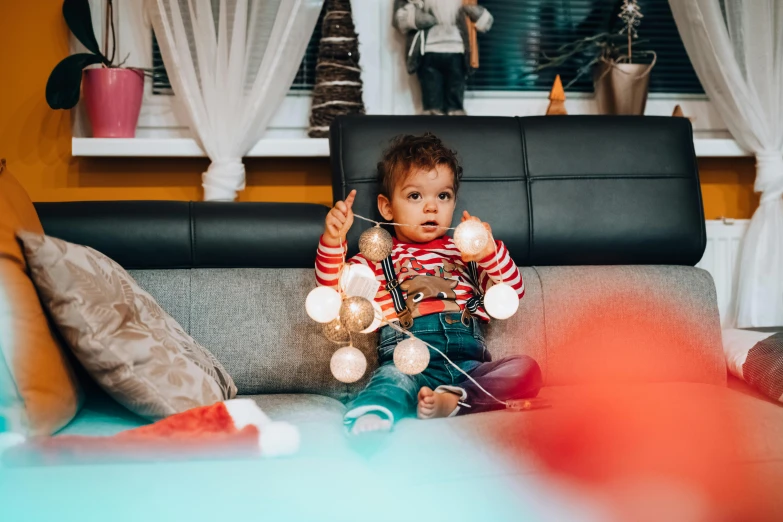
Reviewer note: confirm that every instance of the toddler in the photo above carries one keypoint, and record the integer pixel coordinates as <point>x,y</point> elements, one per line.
<point>436,286</point>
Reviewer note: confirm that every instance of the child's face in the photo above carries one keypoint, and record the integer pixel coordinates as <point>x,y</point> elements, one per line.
<point>424,197</point>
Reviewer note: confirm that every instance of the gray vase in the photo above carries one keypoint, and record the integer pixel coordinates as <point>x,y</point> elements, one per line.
<point>621,88</point>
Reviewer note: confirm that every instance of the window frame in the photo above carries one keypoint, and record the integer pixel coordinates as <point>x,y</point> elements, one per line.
<point>388,88</point>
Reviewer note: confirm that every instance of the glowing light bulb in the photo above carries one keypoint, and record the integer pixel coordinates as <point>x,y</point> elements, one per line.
<point>501,301</point>
<point>356,313</point>
<point>351,272</point>
<point>376,244</point>
<point>471,237</point>
<point>411,356</point>
<point>376,322</point>
<point>348,364</point>
<point>335,332</point>
<point>323,304</point>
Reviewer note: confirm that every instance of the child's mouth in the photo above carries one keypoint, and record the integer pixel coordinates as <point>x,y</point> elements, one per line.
<point>429,225</point>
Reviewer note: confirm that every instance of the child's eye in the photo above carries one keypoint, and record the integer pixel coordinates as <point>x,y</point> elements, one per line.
<point>414,196</point>
<point>444,196</point>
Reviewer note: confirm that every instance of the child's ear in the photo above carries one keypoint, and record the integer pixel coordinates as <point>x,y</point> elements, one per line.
<point>384,207</point>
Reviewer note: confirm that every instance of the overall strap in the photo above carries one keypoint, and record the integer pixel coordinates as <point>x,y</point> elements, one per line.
<point>477,300</point>
<point>393,287</point>
<point>403,313</point>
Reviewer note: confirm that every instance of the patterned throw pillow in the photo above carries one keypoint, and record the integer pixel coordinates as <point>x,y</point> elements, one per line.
<point>756,358</point>
<point>132,348</point>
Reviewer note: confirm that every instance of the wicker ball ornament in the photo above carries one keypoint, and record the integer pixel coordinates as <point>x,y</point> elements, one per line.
<point>471,237</point>
<point>411,356</point>
<point>348,364</point>
<point>377,320</point>
<point>376,244</point>
<point>336,332</point>
<point>356,313</point>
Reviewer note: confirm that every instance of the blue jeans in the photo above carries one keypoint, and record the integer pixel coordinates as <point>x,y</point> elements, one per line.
<point>393,392</point>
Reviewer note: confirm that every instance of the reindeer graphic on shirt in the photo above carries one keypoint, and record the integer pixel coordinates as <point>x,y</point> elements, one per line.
<point>429,291</point>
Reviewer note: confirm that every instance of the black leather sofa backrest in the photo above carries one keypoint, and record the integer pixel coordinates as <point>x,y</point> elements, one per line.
<point>571,190</point>
<point>180,234</point>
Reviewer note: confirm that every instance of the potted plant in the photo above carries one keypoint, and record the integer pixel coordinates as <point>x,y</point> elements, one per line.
<point>621,73</point>
<point>112,93</point>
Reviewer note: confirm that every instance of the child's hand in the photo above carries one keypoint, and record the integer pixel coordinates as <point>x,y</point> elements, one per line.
<point>339,221</point>
<point>489,249</point>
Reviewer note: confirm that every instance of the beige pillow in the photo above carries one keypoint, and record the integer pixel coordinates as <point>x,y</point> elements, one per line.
<point>137,352</point>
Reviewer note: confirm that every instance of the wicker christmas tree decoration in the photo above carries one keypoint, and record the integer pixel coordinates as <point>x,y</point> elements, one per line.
<point>338,81</point>
<point>557,99</point>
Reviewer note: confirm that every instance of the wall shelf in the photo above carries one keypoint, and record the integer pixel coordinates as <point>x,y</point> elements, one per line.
<point>291,147</point>
<point>188,148</point>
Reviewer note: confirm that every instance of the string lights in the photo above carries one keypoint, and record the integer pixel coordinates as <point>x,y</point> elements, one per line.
<point>343,314</point>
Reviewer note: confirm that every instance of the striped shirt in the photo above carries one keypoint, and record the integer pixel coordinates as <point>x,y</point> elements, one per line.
<point>432,275</point>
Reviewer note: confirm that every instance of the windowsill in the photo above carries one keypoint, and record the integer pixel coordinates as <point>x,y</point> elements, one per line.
<point>292,147</point>
<point>189,148</point>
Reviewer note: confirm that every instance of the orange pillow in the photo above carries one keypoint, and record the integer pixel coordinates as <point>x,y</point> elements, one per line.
<point>39,393</point>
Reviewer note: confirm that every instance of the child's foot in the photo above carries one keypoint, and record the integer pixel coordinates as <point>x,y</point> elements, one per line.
<point>435,405</point>
<point>370,422</point>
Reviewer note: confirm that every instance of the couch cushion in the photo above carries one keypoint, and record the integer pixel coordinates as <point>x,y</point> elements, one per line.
<point>130,346</point>
<point>509,461</point>
<point>255,323</point>
<point>298,408</point>
<point>38,390</point>
<point>557,191</point>
<point>631,324</point>
<point>171,290</point>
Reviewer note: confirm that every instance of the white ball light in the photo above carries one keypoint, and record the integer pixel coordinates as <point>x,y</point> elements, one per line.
<point>376,322</point>
<point>411,356</point>
<point>471,237</point>
<point>348,364</point>
<point>323,304</point>
<point>353,271</point>
<point>501,301</point>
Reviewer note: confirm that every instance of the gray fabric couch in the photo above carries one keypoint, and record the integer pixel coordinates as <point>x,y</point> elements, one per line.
<point>644,424</point>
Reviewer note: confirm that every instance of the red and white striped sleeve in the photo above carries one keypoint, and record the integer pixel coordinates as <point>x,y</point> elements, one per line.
<point>327,264</point>
<point>500,268</point>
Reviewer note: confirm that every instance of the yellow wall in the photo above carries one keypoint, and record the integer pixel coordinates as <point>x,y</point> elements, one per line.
<point>37,140</point>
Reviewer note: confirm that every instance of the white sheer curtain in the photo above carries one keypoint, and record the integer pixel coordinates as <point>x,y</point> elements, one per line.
<point>736,48</point>
<point>230,64</point>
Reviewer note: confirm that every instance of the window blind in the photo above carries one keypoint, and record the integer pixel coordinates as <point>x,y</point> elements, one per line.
<point>305,75</point>
<point>525,30</point>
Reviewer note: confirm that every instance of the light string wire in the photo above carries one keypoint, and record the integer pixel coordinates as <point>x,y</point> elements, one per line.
<point>395,326</point>
<point>379,223</point>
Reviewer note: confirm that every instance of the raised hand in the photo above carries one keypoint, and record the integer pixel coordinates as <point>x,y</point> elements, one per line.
<point>339,221</point>
<point>489,249</point>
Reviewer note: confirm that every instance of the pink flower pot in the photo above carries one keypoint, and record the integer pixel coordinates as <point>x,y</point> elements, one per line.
<point>113,97</point>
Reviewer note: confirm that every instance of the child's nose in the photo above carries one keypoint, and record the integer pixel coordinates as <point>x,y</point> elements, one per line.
<point>430,206</point>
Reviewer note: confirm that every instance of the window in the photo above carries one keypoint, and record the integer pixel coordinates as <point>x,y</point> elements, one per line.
<point>304,80</point>
<point>524,30</point>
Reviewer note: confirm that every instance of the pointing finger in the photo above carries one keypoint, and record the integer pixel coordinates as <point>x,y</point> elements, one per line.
<point>350,198</point>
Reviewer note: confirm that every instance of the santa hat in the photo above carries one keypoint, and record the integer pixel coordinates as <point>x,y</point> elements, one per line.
<point>235,428</point>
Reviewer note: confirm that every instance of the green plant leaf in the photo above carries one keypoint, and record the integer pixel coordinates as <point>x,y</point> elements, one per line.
<point>79,19</point>
<point>65,82</point>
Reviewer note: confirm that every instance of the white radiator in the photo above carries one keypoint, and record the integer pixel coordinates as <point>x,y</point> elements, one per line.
<point>720,256</point>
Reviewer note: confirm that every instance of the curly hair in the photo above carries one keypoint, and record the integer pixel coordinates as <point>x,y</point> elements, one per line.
<point>407,153</point>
